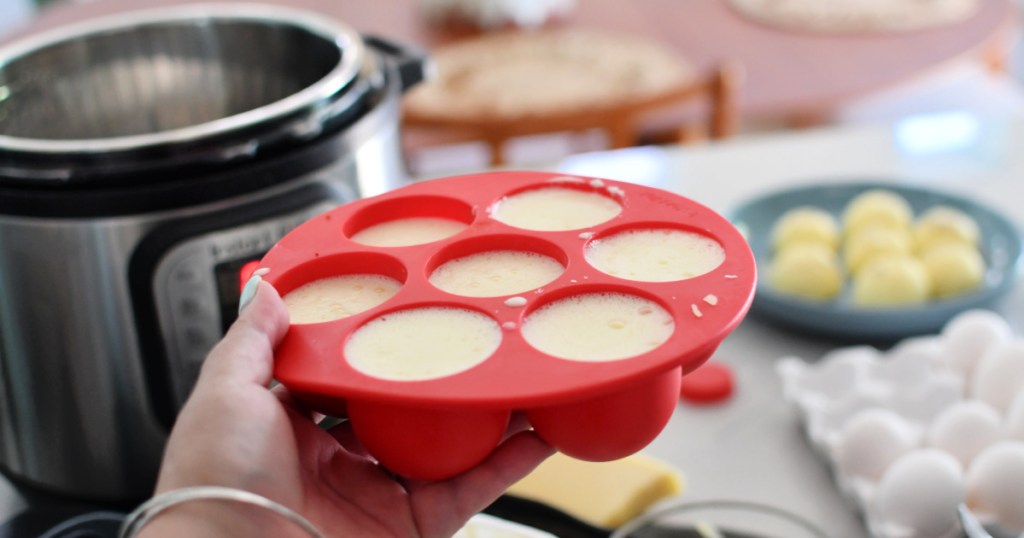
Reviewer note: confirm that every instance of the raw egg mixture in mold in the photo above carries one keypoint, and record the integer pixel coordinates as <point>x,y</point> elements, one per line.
<point>429,314</point>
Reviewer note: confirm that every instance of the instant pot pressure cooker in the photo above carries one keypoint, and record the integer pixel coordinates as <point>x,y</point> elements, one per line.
<point>146,162</point>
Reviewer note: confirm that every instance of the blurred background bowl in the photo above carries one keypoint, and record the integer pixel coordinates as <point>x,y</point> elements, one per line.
<point>719,518</point>
<point>1000,246</point>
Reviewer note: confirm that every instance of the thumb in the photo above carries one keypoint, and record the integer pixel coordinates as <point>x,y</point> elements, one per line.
<point>246,353</point>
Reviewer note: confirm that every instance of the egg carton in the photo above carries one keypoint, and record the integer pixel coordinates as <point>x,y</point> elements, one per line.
<point>911,432</point>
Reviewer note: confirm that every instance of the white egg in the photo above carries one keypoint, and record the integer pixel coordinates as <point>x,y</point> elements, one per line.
<point>1015,418</point>
<point>931,396</point>
<point>870,441</point>
<point>999,375</point>
<point>964,429</point>
<point>995,484</point>
<point>918,495</point>
<point>967,336</point>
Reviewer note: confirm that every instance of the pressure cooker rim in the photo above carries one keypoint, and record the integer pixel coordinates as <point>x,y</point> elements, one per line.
<point>306,103</point>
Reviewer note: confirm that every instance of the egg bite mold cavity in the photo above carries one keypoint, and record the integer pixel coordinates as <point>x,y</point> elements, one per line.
<point>488,307</point>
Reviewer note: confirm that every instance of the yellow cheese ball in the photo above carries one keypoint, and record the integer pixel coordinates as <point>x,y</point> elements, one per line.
<point>809,270</point>
<point>870,242</point>
<point>891,281</point>
<point>941,224</point>
<point>954,268</point>
<point>877,207</point>
<point>805,224</point>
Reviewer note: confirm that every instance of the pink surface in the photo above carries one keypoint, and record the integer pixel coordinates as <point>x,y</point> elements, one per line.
<point>788,73</point>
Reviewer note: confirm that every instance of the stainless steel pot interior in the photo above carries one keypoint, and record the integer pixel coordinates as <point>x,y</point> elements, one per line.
<point>170,75</point>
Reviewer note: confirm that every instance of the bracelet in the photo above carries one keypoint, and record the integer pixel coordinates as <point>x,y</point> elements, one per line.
<point>158,504</point>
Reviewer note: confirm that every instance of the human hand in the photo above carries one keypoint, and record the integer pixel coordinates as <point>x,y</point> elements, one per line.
<point>235,432</point>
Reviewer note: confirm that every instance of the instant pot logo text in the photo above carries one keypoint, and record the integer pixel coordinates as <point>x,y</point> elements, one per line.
<point>252,239</point>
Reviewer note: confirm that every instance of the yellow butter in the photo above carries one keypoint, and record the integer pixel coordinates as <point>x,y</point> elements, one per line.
<point>605,494</point>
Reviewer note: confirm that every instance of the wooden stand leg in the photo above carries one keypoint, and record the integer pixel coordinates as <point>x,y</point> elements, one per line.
<point>497,146</point>
<point>620,133</point>
<point>725,87</point>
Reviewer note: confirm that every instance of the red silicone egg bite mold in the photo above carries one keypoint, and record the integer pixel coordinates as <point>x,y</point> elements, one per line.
<point>436,428</point>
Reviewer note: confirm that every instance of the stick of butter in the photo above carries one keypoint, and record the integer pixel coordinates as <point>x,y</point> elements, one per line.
<point>603,494</point>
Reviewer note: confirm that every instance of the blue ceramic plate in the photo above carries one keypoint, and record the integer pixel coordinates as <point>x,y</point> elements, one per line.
<point>1000,246</point>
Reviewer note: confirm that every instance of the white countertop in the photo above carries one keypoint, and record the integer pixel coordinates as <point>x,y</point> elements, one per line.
<point>751,448</point>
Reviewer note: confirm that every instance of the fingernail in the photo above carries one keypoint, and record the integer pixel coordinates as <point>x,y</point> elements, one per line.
<point>249,290</point>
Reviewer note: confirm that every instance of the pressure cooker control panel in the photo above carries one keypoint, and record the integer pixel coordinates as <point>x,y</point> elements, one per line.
<point>187,278</point>
<point>197,286</point>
